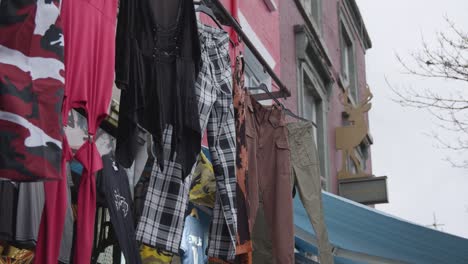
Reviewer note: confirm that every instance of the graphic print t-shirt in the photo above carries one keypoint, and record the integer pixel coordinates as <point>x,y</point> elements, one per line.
<point>113,183</point>
<point>192,242</point>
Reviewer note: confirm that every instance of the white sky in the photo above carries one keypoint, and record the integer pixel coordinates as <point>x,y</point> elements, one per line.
<point>420,182</point>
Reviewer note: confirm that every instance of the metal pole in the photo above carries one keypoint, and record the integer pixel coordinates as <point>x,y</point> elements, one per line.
<point>283,92</point>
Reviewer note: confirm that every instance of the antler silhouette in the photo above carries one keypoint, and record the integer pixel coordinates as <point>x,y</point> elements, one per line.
<point>368,96</point>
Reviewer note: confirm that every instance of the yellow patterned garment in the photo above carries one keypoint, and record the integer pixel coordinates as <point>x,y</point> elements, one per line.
<point>17,256</point>
<point>203,188</point>
<point>151,255</point>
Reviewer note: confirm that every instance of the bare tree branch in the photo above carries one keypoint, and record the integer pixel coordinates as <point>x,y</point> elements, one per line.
<point>447,60</point>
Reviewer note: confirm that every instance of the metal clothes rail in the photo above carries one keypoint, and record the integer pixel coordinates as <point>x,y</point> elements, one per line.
<point>226,18</point>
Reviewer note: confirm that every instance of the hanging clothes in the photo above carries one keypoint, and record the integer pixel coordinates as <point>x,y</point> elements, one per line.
<point>141,188</point>
<point>89,33</point>
<point>203,187</point>
<point>151,255</point>
<point>244,244</point>
<point>53,215</point>
<point>161,224</point>
<point>28,218</point>
<point>269,184</point>
<point>66,245</point>
<point>31,90</point>
<point>17,255</point>
<point>32,82</point>
<point>141,157</point>
<point>192,242</point>
<point>214,96</point>
<point>8,202</point>
<point>106,256</point>
<point>157,62</point>
<point>305,174</point>
<point>113,185</point>
<point>28,215</point>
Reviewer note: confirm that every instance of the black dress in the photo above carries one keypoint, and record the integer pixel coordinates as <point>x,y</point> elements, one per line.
<point>157,62</point>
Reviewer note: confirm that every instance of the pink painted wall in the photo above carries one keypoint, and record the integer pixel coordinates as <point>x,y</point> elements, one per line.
<point>362,84</point>
<point>265,24</point>
<point>331,35</point>
<point>290,16</point>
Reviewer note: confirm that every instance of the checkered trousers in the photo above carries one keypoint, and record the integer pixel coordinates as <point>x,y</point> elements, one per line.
<point>162,219</point>
<point>214,92</point>
<point>161,224</point>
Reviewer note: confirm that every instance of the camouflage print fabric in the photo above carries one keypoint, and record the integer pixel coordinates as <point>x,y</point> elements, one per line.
<point>203,188</point>
<point>17,256</point>
<point>31,89</point>
<point>151,255</point>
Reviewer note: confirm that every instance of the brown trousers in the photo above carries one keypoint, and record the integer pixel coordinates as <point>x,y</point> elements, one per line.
<point>268,180</point>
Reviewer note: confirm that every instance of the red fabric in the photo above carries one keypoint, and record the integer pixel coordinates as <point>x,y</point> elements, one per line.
<point>89,155</point>
<point>89,32</point>
<point>30,97</point>
<point>53,215</point>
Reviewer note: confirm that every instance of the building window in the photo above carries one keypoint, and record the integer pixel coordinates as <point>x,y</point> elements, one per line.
<point>313,93</point>
<point>254,72</point>
<point>361,153</point>
<point>312,99</point>
<point>310,105</point>
<point>316,11</point>
<point>348,63</point>
<point>254,75</point>
<point>250,80</point>
<point>313,9</point>
<point>346,53</point>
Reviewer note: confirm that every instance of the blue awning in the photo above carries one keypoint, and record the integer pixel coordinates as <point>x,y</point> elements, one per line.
<point>362,234</point>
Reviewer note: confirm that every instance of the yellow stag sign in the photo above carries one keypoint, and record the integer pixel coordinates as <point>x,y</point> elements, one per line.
<point>350,136</point>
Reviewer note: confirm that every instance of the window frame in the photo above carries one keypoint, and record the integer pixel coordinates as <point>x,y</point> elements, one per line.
<point>313,10</point>
<point>320,97</point>
<point>316,15</point>
<point>348,59</point>
<point>254,73</point>
<point>362,160</point>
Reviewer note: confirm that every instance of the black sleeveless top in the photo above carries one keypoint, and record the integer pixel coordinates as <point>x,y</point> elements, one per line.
<point>157,62</point>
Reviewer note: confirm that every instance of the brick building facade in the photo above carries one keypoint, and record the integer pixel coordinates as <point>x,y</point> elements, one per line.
<point>317,48</point>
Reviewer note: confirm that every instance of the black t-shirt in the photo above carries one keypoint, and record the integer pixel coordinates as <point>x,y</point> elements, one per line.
<point>113,185</point>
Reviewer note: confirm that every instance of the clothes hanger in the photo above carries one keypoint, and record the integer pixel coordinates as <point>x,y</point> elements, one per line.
<point>291,114</point>
<point>288,112</point>
<point>203,8</point>
<point>264,88</point>
<point>194,213</point>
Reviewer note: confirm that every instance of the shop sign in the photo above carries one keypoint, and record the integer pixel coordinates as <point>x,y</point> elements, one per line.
<point>369,190</point>
<point>349,137</point>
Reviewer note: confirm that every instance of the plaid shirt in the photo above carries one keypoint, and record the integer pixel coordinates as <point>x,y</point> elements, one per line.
<point>162,221</point>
